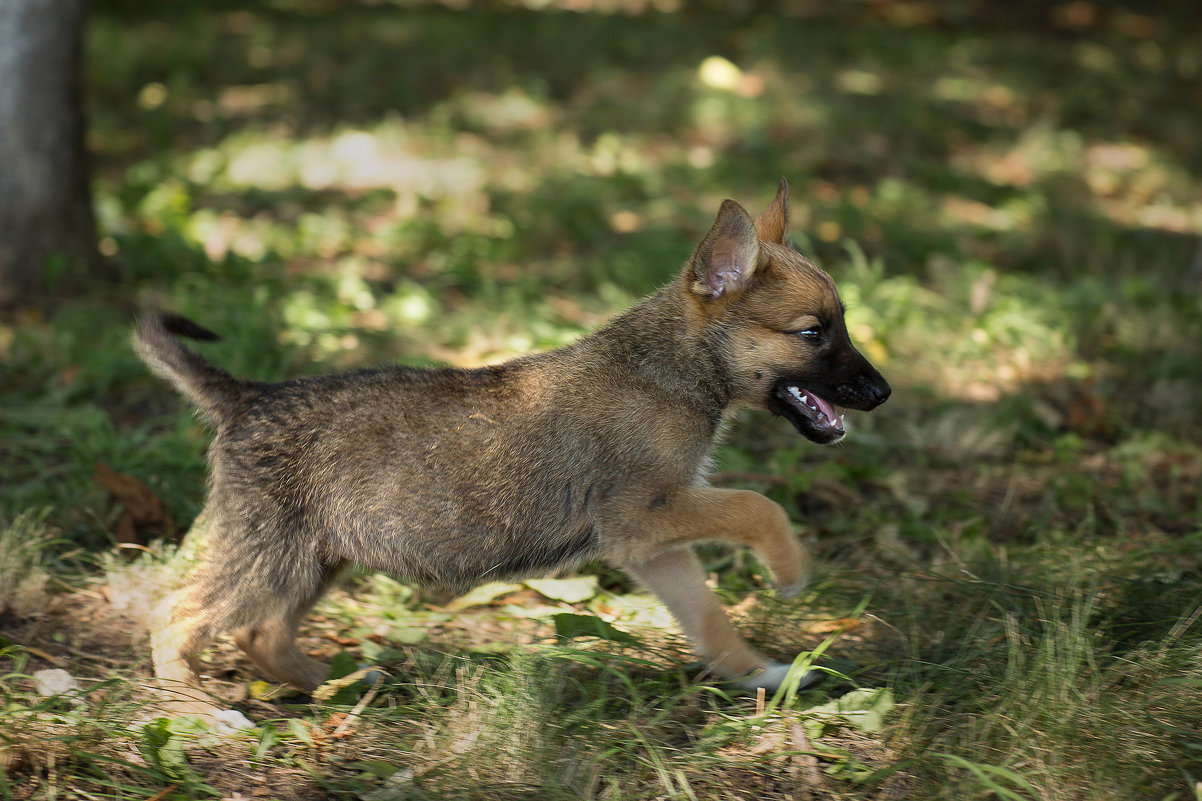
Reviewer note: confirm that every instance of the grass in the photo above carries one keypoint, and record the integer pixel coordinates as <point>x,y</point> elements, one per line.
<point>1007,553</point>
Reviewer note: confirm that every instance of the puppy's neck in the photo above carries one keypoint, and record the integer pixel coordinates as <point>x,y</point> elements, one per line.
<point>664,341</point>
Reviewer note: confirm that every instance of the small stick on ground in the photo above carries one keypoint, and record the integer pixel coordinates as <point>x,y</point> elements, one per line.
<point>358,708</point>
<point>806,762</point>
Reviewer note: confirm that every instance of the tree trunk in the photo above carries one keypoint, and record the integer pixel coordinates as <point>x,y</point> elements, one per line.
<point>47,229</point>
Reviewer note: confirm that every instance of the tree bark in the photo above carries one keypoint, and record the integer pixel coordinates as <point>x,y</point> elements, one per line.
<point>47,228</point>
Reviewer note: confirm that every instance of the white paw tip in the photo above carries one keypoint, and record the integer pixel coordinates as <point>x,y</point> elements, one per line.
<point>228,721</point>
<point>788,591</point>
<point>371,677</point>
<point>773,677</point>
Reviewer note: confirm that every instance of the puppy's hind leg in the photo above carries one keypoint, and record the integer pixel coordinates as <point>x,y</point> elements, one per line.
<point>271,642</point>
<point>258,587</point>
<point>179,630</point>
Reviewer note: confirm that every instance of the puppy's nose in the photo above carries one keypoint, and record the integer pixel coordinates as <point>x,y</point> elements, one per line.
<point>881,392</point>
<point>865,393</point>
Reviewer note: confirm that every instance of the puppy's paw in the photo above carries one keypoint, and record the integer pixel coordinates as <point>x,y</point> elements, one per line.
<point>218,722</point>
<point>787,591</point>
<point>791,578</point>
<point>230,721</point>
<point>370,676</point>
<point>773,677</point>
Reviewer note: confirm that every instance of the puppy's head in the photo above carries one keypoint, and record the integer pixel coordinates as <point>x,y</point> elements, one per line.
<point>777,321</point>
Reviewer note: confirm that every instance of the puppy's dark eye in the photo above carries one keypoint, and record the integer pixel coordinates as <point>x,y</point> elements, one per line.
<point>811,334</point>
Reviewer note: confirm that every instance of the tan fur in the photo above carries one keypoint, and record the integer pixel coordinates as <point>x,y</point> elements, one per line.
<point>451,477</point>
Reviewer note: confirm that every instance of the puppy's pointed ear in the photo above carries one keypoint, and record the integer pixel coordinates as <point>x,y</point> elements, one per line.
<point>773,224</point>
<point>725,260</point>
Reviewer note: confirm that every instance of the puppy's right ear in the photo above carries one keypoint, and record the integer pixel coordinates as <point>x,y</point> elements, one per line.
<point>725,260</point>
<point>773,224</point>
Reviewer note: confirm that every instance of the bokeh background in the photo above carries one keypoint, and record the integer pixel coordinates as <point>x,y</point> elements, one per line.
<point>1007,194</point>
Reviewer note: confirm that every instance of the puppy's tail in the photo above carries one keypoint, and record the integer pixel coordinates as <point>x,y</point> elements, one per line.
<point>212,389</point>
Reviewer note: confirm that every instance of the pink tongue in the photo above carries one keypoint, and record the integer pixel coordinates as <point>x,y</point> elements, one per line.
<point>826,409</point>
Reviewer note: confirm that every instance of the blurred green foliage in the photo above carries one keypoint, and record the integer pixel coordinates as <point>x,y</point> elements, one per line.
<point>1007,194</point>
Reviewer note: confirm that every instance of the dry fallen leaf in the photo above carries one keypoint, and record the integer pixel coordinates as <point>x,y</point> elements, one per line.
<point>144,514</point>
<point>829,626</point>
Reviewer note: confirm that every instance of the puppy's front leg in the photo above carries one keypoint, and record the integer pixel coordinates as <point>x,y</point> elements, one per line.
<point>703,514</point>
<point>661,557</point>
<point>678,578</point>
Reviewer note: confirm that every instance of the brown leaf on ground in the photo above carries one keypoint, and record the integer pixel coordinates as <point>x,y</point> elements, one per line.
<point>1088,413</point>
<point>143,515</point>
<point>831,626</point>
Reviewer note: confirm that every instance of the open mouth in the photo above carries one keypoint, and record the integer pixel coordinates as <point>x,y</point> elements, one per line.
<point>814,418</point>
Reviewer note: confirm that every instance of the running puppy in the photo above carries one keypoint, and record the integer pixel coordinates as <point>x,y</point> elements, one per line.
<point>448,477</point>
